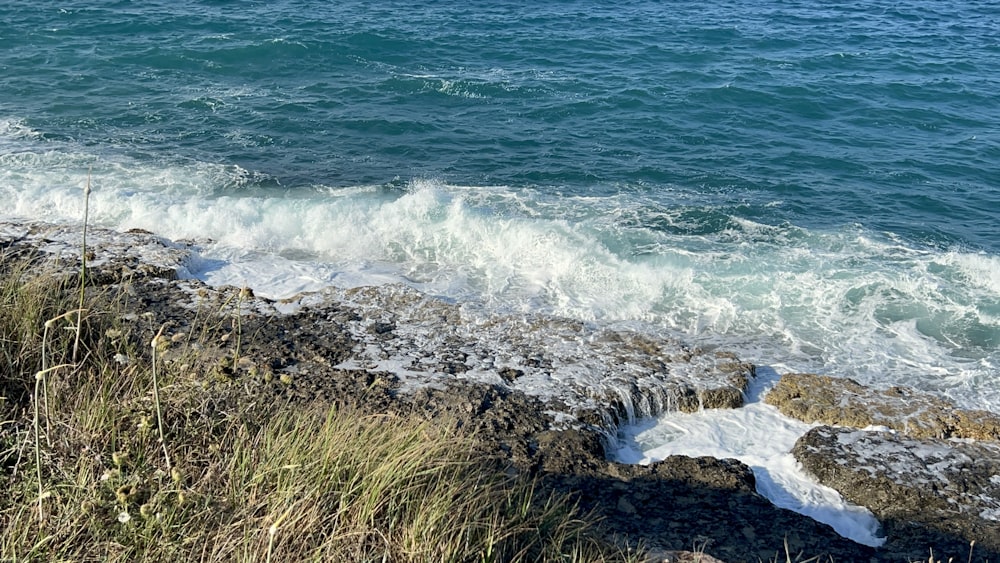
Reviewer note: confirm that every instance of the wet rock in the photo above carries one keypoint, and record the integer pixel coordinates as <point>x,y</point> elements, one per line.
<point>841,401</point>
<point>510,375</point>
<point>703,506</point>
<point>927,493</point>
<point>593,375</point>
<point>693,471</point>
<point>113,256</point>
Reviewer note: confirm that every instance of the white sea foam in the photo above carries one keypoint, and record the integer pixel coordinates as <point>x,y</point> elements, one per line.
<point>11,129</point>
<point>759,436</point>
<point>841,302</point>
<point>847,302</point>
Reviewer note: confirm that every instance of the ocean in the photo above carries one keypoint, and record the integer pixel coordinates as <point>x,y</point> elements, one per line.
<point>814,186</point>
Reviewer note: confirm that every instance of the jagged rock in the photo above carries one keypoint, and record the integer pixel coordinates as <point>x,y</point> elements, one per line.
<point>597,376</point>
<point>728,474</point>
<point>112,256</point>
<point>927,493</point>
<point>844,402</point>
<point>703,505</point>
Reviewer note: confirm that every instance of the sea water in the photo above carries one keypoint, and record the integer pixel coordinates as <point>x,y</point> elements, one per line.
<point>812,185</point>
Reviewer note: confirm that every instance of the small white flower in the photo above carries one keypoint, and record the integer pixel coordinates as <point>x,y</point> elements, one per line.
<point>122,359</point>
<point>124,517</point>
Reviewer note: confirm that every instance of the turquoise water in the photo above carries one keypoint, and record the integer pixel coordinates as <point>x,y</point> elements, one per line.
<point>883,114</point>
<point>815,185</point>
<point>812,185</point>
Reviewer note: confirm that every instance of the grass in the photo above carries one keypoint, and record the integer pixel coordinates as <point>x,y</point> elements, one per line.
<point>932,559</point>
<point>108,454</point>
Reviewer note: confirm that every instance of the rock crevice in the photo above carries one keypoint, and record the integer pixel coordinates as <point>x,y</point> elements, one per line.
<point>930,473</point>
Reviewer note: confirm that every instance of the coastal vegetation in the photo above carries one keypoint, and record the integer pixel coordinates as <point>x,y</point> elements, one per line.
<point>108,452</point>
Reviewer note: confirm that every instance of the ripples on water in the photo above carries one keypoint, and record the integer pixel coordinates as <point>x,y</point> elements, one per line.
<point>640,133</point>
<point>844,108</point>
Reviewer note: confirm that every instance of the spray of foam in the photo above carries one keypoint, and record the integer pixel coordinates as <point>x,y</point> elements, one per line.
<point>12,130</point>
<point>846,302</point>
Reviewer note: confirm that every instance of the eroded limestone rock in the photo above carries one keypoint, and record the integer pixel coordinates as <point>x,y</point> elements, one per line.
<point>591,374</point>
<point>927,493</point>
<point>844,402</point>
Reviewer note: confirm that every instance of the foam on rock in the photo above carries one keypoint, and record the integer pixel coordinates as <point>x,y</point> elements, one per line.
<point>596,375</point>
<point>927,493</point>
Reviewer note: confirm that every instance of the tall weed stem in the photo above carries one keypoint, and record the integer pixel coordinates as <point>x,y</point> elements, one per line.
<point>83,268</point>
<point>156,396</point>
<point>44,368</point>
<point>39,382</point>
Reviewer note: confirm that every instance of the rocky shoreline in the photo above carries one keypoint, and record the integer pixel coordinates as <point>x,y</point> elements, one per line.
<point>547,394</point>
